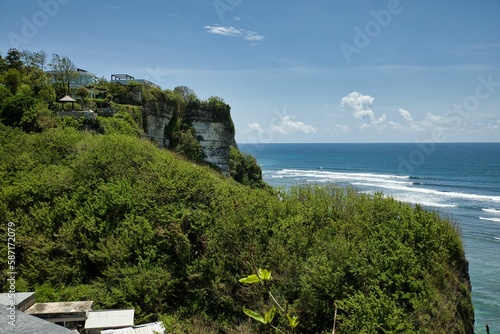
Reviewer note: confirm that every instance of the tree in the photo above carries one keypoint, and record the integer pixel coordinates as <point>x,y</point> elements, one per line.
<point>34,59</point>
<point>14,59</point>
<point>244,168</point>
<point>12,80</point>
<point>41,59</point>
<point>64,71</point>
<point>27,58</point>
<point>82,93</point>
<point>14,107</point>
<point>3,64</point>
<point>187,93</point>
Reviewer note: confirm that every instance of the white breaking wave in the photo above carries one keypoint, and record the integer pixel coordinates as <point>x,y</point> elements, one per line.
<point>389,182</point>
<point>492,211</point>
<point>325,176</point>
<point>448,194</point>
<point>433,204</point>
<point>416,199</point>
<point>497,220</point>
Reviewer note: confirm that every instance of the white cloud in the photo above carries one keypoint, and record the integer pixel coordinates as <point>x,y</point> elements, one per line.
<point>364,126</point>
<point>380,120</point>
<point>493,127</point>
<point>224,31</point>
<point>406,115</point>
<point>359,104</point>
<point>431,120</point>
<point>255,127</point>
<point>342,128</point>
<point>361,107</point>
<point>287,126</point>
<point>234,32</point>
<point>253,36</point>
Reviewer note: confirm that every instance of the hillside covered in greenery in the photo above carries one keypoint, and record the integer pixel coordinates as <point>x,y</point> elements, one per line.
<point>114,219</point>
<point>29,100</point>
<point>110,217</point>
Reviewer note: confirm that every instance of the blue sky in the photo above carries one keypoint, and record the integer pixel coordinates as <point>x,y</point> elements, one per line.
<point>293,71</point>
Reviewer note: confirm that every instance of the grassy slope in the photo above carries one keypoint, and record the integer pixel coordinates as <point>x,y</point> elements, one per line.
<point>114,219</point>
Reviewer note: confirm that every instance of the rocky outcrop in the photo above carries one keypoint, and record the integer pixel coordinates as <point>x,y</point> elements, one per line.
<point>213,129</point>
<point>155,128</point>
<point>214,135</point>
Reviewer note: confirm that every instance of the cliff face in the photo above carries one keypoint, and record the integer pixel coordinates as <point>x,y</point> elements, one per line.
<point>215,134</point>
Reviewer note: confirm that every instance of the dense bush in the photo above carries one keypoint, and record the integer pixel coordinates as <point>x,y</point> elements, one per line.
<point>112,218</point>
<point>244,168</point>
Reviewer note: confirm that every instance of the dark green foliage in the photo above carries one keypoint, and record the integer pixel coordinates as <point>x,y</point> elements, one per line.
<point>122,94</point>
<point>220,110</point>
<point>113,219</point>
<point>120,123</point>
<point>13,109</point>
<point>12,80</point>
<point>186,93</point>
<point>14,60</point>
<point>188,146</point>
<point>181,137</point>
<point>3,64</point>
<point>244,168</point>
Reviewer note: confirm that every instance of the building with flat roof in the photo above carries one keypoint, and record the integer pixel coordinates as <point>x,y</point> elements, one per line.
<point>98,321</point>
<point>82,78</point>
<point>126,79</point>
<point>66,314</point>
<point>21,300</point>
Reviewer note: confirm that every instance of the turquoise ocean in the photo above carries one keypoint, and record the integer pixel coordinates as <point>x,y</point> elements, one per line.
<point>459,180</point>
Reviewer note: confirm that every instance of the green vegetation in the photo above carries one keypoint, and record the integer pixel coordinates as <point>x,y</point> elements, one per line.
<point>264,276</point>
<point>244,168</point>
<point>28,100</point>
<point>114,219</point>
<point>102,214</point>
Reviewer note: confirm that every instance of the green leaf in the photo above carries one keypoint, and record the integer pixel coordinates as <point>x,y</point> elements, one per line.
<point>264,274</point>
<point>292,321</point>
<point>269,316</point>
<point>254,315</point>
<point>250,279</point>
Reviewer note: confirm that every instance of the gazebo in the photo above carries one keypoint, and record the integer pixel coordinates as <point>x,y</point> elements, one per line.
<point>65,99</point>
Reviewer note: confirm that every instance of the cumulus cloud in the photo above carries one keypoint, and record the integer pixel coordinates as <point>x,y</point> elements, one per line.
<point>359,104</point>
<point>431,120</point>
<point>288,126</point>
<point>234,32</point>
<point>406,115</point>
<point>285,126</point>
<point>428,122</point>
<point>361,107</point>
<point>255,127</point>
